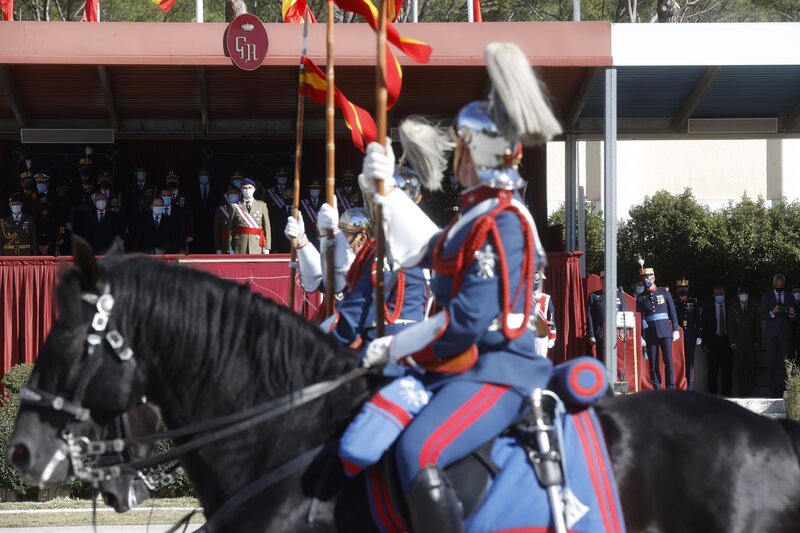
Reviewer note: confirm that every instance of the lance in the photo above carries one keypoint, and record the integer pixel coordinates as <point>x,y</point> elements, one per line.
<point>380,115</point>
<point>298,155</point>
<point>330,163</point>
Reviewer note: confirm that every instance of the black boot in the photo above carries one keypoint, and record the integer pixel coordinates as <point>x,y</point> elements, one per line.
<point>433,505</point>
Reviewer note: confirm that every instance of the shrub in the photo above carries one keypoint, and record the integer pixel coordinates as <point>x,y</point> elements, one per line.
<point>13,382</point>
<point>792,396</point>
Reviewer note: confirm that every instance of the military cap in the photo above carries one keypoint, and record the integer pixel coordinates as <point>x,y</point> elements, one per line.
<point>314,185</point>
<point>17,198</point>
<point>172,175</point>
<point>281,172</point>
<point>41,177</point>
<point>85,161</point>
<point>648,271</point>
<point>248,181</point>
<point>683,282</point>
<point>348,175</point>
<point>25,174</point>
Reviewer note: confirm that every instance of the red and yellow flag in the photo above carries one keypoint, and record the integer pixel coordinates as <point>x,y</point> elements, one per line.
<point>314,84</point>
<point>393,9</point>
<point>7,7</point>
<point>294,10</point>
<point>91,11</point>
<point>416,50</point>
<point>164,5</point>
<point>394,78</point>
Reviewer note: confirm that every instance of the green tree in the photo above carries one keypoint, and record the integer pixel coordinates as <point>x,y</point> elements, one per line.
<point>595,249</point>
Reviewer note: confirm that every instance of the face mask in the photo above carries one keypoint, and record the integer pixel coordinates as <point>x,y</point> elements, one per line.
<point>281,181</point>
<point>683,293</point>
<point>16,209</point>
<point>719,299</point>
<point>203,179</point>
<point>233,198</point>
<point>172,185</point>
<point>779,289</point>
<point>314,193</point>
<point>744,297</point>
<point>639,289</point>
<point>41,187</point>
<point>237,184</point>
<point>247,193</point>
<point>101,204</point>
<point>167,200</point>
<point>141,176</point>
<point>158,210</point>
<point>453,180</point>
<point>796,296</point>
<point>648,283</point>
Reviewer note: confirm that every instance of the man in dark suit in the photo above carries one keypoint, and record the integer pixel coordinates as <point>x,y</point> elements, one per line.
<point>716,342</point>
<point>102,225</point>
<point>744,330</point>
<point>156,234</point>
<point>778,313</point>
<point>204,199</point>
<point>596,318</point>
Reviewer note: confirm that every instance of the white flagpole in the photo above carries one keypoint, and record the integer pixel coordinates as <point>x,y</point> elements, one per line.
<point>470,12</point>
<point>199,10</point>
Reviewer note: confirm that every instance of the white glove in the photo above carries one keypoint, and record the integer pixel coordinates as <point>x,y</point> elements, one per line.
<point>379,163</point>
<point>644,343</point>
<point>265,251</point>
<point>675,336</point>
<point>592,341</point>
<point>551,343</point>
<point>219,252</point>
<point>231,252</point>
<point>328,219</point>
<point>295,229</point>
<point>377,353</point>
<point>698,342</point>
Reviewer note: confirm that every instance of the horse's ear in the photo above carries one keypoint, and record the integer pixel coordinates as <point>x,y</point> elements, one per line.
<point>83,257</point>
<point>117,247</point>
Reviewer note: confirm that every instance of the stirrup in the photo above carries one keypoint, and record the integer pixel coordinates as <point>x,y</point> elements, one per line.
<point>433,505</point>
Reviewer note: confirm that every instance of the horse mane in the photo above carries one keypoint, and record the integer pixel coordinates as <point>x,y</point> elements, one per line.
<point>195,328</point>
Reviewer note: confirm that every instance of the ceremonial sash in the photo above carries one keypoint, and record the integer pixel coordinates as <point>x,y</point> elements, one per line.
<point>252,228</point>
<point>311,212</point>
<point>343,201</point>
<point>276,198</point>
<point>224,211</point>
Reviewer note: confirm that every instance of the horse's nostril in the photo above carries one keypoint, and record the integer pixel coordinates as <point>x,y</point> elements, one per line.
<point>20,456</point>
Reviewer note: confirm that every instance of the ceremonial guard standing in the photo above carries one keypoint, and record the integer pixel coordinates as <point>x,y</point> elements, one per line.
<point>478,348</point>
<point>688,311</point>
<point>248,228</point>
<point>221,216</point>
<point>546,311</point>
<point>18,230</point>
<point>596,318</point>
<point>309,207</point>
<point>279,201</point>
<point>348,194</point>
<point>659,327</point>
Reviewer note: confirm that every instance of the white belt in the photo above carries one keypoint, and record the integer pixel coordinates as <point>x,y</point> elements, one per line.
<point>514,321</point>
<point>399,321</point>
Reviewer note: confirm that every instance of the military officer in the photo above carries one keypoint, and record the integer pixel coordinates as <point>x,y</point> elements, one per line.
<point>659,327</point>
<point>744,336</point>
<point>18,230</point>
<point>137,201</point>
<point>279,202</point>
<point>544,308</point>
<point>27,187</point>
<point>480,343</point>
<point>81,191</point>
<point>221,216</point>
<point>248,228</point>
<point>47,229</point>
<point>688,311</point>
<point>105,185</point>
<point>309,207</point>
<point>348,194</point>
<point>178,206</point>
<point>596,318</point>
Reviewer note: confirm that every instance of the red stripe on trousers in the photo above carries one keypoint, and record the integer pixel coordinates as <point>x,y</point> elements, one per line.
<point>486,397</point>
<point>594,438</point>
<point>593,473</point>
<point>381,402</point>
<point>351,468</point>
<point>388,503</point>
<point>374,489</point>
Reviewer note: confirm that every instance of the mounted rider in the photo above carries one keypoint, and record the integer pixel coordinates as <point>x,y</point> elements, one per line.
<point>478,352</point>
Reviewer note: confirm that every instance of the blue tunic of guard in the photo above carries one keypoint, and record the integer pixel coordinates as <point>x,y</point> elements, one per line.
<point>659,320</point>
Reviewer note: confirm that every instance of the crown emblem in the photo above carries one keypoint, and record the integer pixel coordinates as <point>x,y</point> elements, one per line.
<point>247,27</point>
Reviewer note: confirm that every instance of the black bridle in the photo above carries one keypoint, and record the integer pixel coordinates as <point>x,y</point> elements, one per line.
<point>80,448</point>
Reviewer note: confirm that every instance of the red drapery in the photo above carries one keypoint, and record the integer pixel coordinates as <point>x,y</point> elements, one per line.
<point>7,7</point>
<point>28,307</point>
<point>566,286</point>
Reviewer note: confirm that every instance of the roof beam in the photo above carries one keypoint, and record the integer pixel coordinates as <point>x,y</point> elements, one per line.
<point>105,81</point>
<point>201,82</point>
<point>695,97</point>
<point>793,122</point>
<point>13,96</point>
<point>580,100</point>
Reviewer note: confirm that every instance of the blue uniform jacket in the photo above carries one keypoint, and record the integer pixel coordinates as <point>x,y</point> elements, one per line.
<point>596,316</point>
<point>658,310</point>
<point>355,312</point>
<point>472,314</point>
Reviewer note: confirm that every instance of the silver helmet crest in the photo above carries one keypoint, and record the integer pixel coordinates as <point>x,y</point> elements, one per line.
<point>355,220</point>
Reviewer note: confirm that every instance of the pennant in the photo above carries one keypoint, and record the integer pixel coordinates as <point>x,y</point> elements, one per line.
<point>293,11</point>
<point>91,11</point>
<point>394,78</point>
<point>416,50</point>
<point>164,5</point>
<point>393,9</point>
<point>8,9</point>
<point>314,84</point>
<point>476,11</point>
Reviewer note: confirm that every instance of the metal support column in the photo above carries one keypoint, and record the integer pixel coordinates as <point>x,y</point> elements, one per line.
<point>576,10</point>
<point>414,11</point>
<point>582,228</point>
<point>610,224</point>
<point>570,191</point>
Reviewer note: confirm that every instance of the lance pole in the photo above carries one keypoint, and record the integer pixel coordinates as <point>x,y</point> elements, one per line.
<point>380,115</point>
<point>330,166</point>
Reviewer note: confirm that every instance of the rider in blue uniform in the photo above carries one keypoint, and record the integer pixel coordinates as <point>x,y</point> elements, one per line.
<point>659,327</point>
<point>478,352</point>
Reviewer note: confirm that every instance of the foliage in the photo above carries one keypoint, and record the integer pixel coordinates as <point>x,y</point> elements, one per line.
<point>792,395</point>
<point>16,378</point>
<point>180,486</point>
<point>593,219</point>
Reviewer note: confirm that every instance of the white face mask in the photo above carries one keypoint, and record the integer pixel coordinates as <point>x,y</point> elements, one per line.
<point>247,193</point>
<point>167,200</point>
<point>281,181</point>
<point>314,193</point>
<point>16,209</point>
<point>233,198</point>
<point>158,210</point>
<point>101,204</point>
<point>797,297</point>
<point>141,175</point>
<point>203,179</point>
<point>41,188</point>
<point>744,297</point>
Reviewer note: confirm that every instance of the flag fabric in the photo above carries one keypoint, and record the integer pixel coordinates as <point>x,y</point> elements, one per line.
<point>91,11</point>
<point>476,11</point>
<point>293,11</point>
<point>416,50</point>
<point>394,78</point>
<point>8,9</point>
<point>314,84</point>
<point>164,5</point>
<point>393,9</point>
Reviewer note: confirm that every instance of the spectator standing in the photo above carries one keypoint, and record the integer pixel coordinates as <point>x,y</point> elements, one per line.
<point>249,228</point>
<point>546,312</point>
<point>309,207</point>
<point>46,227</point>
<point>155,230</point>
<point>348,194</point>
<point>18,230</point>
<point>221,216</point>
<point>659,327</point>
<point>744,332</point>
<point>279,202</point>
<point>689,319</point>
<point>102,226</point>
<point>596,318</point>
<point>204,201</point>
<point>178,207</point>
<point>137,206</point>
<point>778,314</point>
<point>716,342</point>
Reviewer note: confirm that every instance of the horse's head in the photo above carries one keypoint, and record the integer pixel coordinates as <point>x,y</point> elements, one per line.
<point>85,374</point>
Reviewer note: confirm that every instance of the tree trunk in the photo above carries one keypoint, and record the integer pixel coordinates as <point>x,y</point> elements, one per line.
<point>668,11</point>
<point>234,8</point>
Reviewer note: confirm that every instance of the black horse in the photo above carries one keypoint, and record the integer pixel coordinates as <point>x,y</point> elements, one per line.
<point>205,347</point>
